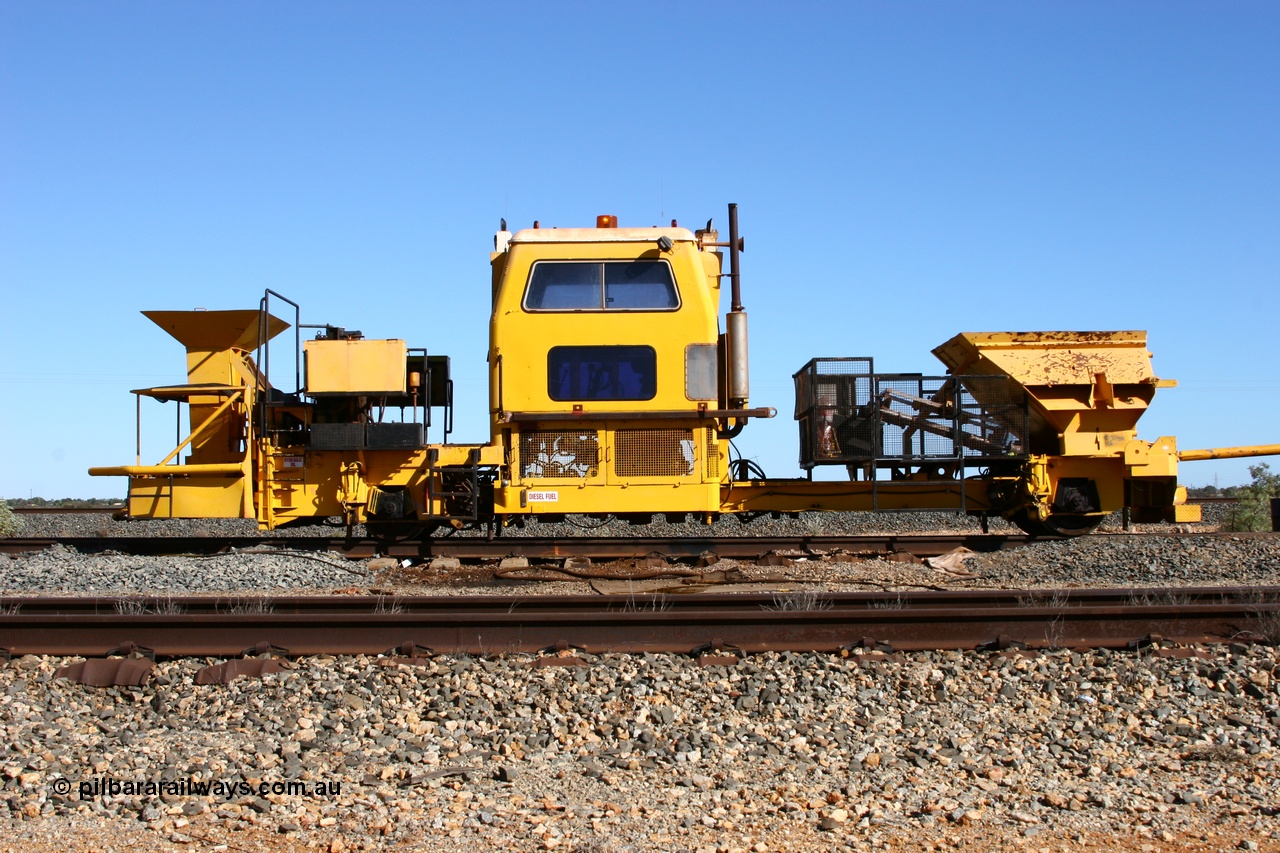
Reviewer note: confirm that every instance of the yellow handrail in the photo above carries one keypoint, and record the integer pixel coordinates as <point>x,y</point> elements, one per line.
<point>213,469</point>
<point>203,425</point>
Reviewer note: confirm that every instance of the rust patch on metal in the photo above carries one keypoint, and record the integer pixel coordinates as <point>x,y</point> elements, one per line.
<point>264,649</point>
<point>560,654</point>
<point>129,648</point>
<point>943,619</point>
<point>718,653</point>
<point>1002,643</point>
<point>410,649</point>
<point>407,653</point>
<point>871,644</point>
<point>652,561</point>
<point>577,563</point>
<point>401,661</point>
<point>1183,653</point>
<point>225,673</point>
<point>108,672</point>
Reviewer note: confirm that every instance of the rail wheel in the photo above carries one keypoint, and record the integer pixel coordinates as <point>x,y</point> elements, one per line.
<point>395,532</point>
<point>1056,524</point>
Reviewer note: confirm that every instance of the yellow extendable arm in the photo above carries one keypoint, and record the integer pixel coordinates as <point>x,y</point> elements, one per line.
<point>1229,452</point>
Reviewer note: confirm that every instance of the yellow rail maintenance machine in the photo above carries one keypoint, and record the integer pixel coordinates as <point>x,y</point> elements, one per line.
<point>615,388</point>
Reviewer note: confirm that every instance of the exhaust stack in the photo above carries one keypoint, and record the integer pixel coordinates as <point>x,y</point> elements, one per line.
<point>736,322</point>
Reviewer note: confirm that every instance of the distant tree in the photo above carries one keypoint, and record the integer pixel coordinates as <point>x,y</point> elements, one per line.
<point>1253,512</point>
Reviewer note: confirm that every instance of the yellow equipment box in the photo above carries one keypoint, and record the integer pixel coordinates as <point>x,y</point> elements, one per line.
<point>355,367</point>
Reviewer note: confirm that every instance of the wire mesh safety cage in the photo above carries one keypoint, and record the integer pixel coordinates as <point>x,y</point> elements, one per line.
<point>839,382</point>
<point>993,418</point>
<point>896,419</point>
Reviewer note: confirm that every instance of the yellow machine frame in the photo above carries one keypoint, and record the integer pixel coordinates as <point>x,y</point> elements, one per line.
<point>325,450</point>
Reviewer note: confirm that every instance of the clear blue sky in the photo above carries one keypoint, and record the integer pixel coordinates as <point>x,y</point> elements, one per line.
<point>905,171</point>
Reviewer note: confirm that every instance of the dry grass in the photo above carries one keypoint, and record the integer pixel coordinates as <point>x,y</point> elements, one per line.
<point>806,599</point>
<point>652,604</point>
<point>164,605</point>
<point>898,602</point>
<point>1163,598</point>
<point>1265,619</point>
<point>252,606</point>
<point>386,605</point>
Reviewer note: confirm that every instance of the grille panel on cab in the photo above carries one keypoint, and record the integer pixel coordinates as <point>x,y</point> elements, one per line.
<point>713,457</point>
<point>559,455</point>
<point>655,453</point>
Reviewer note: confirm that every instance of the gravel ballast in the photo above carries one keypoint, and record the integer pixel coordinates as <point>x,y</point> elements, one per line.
<point>65,571</point>
<point>648,752</point>
<point>1088,561</point>
<point>52,525</point>
<point>1060,749</point>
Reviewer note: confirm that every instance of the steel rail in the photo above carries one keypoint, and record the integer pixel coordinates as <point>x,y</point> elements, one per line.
<point>64,510</point>
<point>539,547</point>
<point>598,547</point>
<point>207,626</point>
<point>426,605</point>
<point>103,510</point>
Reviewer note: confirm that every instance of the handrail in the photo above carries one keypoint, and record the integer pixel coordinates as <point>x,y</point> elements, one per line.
<point>203,424</point>
<point>220,469</point>
<point>678,414</point>
<point>262,363</point>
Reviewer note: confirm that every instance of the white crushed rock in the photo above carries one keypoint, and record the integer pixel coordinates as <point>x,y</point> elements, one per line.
<point>1097,750</point>
<point>649,752</point>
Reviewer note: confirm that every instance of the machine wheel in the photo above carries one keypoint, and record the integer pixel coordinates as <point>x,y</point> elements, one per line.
<point>1057,525</point>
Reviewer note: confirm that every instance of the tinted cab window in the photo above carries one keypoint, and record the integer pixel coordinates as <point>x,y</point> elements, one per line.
<point>602,373</point>
<point>601,286</point>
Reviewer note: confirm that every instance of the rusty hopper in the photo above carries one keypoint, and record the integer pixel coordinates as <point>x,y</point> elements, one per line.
<point>1086,389</point>
<point>1086,392</point>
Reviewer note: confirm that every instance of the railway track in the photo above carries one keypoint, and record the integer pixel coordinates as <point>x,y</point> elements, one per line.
<point>478,548</point>
<point>550,548</point>
<point>65,510</point>
<point>801,621</point>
